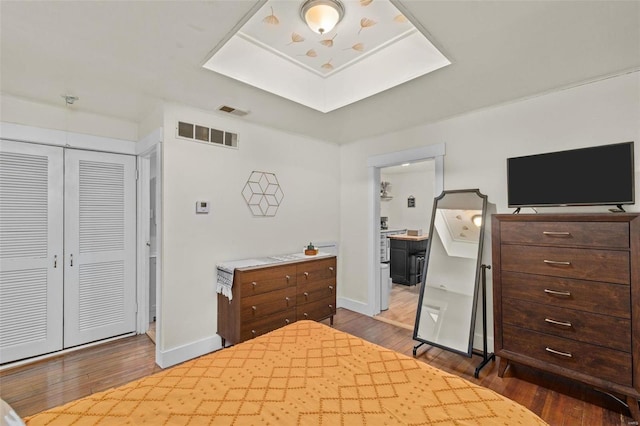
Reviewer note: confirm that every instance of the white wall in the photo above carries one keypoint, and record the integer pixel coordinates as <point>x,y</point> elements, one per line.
<point>477,145</point>
<point>309,175</point>
<point>420,185</point>
<point>65,118</point>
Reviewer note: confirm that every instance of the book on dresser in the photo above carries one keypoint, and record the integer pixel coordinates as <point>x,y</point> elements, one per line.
<point>267,297</point>
<point>567,297</point>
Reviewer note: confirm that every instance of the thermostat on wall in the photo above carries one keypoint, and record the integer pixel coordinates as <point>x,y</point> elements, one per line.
<point>202,207</point>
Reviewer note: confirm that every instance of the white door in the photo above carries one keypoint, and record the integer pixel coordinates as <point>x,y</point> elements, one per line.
<point>31,250</point>
<point>100,246</point>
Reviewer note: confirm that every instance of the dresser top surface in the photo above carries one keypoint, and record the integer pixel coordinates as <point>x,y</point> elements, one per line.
<point>260,262</point>
<point>567,217</point>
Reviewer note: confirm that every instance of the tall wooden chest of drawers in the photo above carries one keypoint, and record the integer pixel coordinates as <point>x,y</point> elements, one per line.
<point>566,291</point>
<point>268,297</point>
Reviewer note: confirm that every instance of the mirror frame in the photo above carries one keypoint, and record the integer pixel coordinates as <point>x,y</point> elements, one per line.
<point>474,308</point>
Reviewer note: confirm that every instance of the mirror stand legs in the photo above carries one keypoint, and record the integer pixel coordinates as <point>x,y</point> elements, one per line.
<point>415,348</point>
<point>486,357</point>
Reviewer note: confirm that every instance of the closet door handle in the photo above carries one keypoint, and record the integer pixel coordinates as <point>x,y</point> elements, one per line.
<point>71,259</point>
<point>55,261</point>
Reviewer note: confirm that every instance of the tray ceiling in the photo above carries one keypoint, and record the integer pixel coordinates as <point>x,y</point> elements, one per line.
<point>276,51</point>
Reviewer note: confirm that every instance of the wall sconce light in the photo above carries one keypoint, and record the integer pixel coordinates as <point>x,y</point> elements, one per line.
<point>322,15</point>
<point>477,220</point>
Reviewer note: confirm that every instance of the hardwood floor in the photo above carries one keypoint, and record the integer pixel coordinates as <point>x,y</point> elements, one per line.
<point>33,388</point>
<point>403,303</point>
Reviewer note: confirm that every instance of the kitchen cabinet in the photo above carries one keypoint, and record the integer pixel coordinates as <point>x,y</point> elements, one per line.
<point>407,258</point>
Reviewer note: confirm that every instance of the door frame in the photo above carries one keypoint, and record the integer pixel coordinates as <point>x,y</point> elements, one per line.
<point>434,152</point>
<point>152,150</point>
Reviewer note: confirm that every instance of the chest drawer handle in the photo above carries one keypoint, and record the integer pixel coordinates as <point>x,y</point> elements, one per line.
<point>330,289</point>
<point>553,351</point>
<point>254,284</point>
<point>254,309</point>
<point>306,315</point>
<point>287,300</point>
<point>563,323</point>
<point>306,275</point>
<point>306,295</point>
<point>555,262</point>
<point>558,293</point>
<point>556,234</point>
<point>286,321</point>
<point>287,277</point>
<point>331,268</point>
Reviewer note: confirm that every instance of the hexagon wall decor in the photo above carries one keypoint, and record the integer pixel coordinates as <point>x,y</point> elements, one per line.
<point>262,193</point>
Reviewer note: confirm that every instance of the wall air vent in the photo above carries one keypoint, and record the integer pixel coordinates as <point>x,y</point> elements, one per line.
<point>205,134</point>
<point>233,111</point>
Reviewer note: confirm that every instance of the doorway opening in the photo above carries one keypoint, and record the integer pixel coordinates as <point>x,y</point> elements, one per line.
<point>376,164</point>
<point>406,203</point>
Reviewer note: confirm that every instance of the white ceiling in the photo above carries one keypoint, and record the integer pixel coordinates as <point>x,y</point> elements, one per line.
<point>276,51</point>
<point>124,57</point>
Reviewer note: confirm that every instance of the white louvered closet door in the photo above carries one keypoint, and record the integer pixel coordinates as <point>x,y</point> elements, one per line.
<point>31,244</point>
<point>100,256</point>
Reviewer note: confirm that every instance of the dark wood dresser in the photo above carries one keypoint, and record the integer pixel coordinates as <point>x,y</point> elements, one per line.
<point>268,297</point>
<point>566,291</point>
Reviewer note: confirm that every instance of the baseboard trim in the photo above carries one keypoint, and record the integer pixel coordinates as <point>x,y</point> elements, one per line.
<point>189,351</point>
<point>353,305</point>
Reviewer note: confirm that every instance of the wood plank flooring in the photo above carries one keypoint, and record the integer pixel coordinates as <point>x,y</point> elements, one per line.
<point>33,388</point>
<point>403,304</point>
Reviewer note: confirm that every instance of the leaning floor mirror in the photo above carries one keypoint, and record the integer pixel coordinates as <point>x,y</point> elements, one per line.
<point>447,306</point>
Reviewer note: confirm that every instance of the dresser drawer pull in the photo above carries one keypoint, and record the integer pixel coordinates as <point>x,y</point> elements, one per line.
<point>254,309</point>
<point>306,315</point>
<point>331,268</point>
<point>254,284</point>
<point>287,277</point>
<point>557,293</point>
<point>330,289</point>
<point>556,234</point>
<point>306,275</point>
<point>553,351</point>
<point>563,323</point>
<point>287,300</point>
<point>555,262</point>
<point>286,321</point>
<point>253,332</point>
<point>306,295</point>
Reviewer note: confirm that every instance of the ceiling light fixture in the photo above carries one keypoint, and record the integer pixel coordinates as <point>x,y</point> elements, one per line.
<point>322,15</point>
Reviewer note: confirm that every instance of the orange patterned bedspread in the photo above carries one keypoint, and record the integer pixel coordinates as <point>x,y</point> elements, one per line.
<point>303,374</point>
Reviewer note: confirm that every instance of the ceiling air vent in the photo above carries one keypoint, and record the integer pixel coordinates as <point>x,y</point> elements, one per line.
<point>233,111</point>
<point>205,134</point>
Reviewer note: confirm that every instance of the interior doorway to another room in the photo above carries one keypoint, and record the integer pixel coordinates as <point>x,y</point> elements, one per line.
<point>149,187</point>
<point>376,164</point>
<point>406,201</point>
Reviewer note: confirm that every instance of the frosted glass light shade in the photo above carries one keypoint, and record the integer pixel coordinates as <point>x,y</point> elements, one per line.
<point>322,15</point>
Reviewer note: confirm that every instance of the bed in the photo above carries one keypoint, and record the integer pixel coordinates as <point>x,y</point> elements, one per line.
<point>303,374</point>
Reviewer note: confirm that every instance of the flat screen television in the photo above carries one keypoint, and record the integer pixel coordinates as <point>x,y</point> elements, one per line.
<point>599,175</point>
